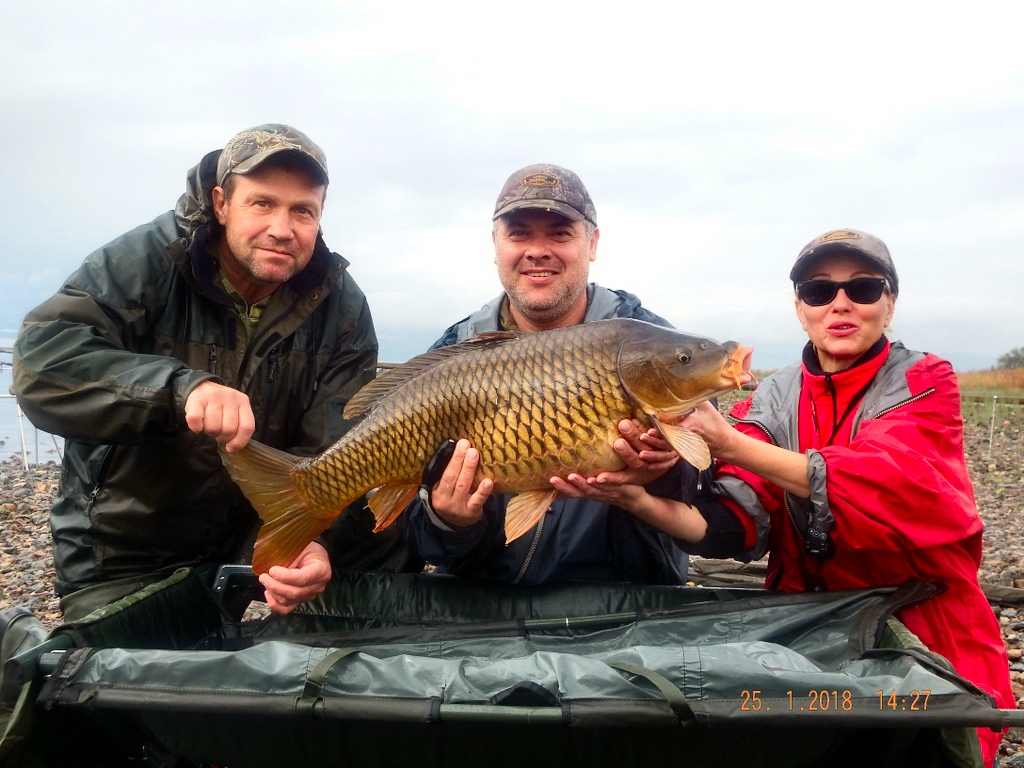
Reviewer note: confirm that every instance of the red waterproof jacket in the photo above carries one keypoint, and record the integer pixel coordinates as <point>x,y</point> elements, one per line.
<point>890,499</point>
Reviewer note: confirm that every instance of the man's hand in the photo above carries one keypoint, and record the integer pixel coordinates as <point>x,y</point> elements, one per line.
<point>453,498</point>
<point>303,580</point>
<point>646,454</point>
<point>647,457</point>
<point>222,413</point>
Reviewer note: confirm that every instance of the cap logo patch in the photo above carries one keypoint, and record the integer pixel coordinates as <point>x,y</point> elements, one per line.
<point>540,180</point>
<point>839,234</point>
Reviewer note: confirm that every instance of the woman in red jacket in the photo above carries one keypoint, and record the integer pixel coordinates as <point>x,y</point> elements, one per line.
<point>848,467</point>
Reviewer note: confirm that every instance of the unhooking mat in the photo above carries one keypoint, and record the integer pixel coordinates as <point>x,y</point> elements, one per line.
<point>403,670</point>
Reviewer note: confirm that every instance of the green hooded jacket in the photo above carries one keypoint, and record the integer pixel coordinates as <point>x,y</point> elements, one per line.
<point>109,361</point>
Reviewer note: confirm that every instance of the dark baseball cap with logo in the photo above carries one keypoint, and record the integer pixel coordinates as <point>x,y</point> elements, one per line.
<point>548,188</point>
<point>868,247</point>
<point>248,149</point>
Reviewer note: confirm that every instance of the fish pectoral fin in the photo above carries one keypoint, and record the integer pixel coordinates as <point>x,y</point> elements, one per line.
<point>389,502</point>
<point>524,511</point>
<point>687,444</point>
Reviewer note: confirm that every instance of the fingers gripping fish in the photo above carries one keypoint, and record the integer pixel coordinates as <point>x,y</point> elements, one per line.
<point>535,405</point>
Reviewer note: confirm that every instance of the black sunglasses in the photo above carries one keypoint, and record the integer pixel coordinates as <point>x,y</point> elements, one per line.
<point>860,290</point>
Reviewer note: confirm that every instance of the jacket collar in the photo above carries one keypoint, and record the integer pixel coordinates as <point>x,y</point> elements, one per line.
<point>813,367</point>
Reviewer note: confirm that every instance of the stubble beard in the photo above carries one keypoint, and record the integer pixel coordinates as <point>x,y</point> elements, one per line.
<point>550,309</point>
<point>249,263</point>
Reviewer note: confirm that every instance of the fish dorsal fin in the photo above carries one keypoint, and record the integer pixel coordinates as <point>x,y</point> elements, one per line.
<point>687,444</point>
<point>389,502</point>
<point>366,398</point>
<point>524,511</point>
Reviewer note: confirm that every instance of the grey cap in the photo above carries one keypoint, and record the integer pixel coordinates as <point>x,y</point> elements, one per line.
<point>251,147</point>
<point>549,188</point>
<point>861,244</point>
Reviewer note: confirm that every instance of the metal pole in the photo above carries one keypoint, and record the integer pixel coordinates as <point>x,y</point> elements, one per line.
<point>21,428</point>
<point>56,447</point>
<point>992,427</point>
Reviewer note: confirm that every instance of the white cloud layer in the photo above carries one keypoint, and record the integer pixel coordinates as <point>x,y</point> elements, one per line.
<point>716,139</point>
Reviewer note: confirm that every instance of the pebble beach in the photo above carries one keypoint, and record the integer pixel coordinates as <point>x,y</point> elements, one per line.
<point>996,467</point>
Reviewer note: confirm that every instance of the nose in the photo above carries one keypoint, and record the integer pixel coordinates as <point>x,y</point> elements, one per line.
<point>841,303</point>
<point>537,248</point>
<point>279,224</point>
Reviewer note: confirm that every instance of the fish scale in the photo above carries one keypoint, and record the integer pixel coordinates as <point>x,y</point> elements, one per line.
<point>534,405</point>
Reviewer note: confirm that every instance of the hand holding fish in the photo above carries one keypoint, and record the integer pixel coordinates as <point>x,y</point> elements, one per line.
<point>453,498</point>
<point>706,421</point>
<point>286,588</point>
<point>222,413</point>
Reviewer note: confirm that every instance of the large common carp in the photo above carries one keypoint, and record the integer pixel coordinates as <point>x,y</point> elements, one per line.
<point>535,405</point>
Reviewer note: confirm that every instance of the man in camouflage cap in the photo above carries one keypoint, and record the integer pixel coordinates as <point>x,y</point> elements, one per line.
<point>225,318</point>
<point>545,238</point>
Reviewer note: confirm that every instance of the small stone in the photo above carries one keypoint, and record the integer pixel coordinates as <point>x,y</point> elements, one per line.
<point>21,493</point>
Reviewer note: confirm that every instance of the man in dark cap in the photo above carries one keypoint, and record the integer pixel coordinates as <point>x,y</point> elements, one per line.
<point>224,319</point>
<point>545,237</point>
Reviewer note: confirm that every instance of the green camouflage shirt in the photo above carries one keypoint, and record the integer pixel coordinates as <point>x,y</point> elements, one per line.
<point>250,314</point>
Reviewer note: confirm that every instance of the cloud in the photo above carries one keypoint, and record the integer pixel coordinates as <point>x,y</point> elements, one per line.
<point>715,139</point>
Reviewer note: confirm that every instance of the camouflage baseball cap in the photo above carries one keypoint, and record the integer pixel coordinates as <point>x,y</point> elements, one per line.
<point>861,244</point>
<point>549,188</point>
<point>251,147</point>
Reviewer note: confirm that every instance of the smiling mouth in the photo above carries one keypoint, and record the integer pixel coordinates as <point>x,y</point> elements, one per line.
<point>545,273</point>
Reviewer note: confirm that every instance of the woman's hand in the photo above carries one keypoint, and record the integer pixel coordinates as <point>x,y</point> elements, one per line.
<point>706,421</point>
<point>628,496</point>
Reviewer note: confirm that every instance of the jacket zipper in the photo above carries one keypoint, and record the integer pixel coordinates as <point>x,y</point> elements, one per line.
<point>533,548</point>
<point>909,400</point>
<point>101,475</point>
<point>271,376</point>
<point>213,359</point>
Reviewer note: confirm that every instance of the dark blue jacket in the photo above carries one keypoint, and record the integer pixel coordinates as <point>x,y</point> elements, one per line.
<point>578,539</point>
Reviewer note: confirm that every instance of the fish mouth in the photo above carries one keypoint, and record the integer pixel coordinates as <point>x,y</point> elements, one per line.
<point>737,367</point>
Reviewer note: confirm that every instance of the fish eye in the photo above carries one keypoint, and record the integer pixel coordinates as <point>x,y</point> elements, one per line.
<point>683,355</point>
<point>702,346</point>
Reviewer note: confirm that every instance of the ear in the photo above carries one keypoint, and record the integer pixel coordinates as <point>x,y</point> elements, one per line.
<point>593,243</point>
<point>889,312</point>
<point>219,204</point>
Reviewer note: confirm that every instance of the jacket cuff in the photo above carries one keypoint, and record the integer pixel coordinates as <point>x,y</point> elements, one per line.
<point>182,385</point>
<point>424,495</point>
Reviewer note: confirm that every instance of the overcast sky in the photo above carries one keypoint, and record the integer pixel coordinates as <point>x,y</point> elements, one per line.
<point>716,139</point>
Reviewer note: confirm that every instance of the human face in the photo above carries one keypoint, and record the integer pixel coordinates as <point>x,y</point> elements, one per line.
<point>270,226</point>
<point>543,262</point>
<point>842,331</point>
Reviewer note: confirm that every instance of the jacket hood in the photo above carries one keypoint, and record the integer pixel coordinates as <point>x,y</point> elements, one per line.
<point>195,208</point>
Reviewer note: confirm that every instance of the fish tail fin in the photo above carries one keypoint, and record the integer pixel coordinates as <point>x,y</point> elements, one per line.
<point>388,502</point>
<point>265,476</point>
<point>524,511</point>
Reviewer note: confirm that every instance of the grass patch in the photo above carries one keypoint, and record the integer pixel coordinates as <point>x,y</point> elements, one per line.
<point>1002,381</point>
